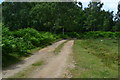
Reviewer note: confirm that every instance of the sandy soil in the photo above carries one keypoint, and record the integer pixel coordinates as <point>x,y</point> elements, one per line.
<point>57,65</point>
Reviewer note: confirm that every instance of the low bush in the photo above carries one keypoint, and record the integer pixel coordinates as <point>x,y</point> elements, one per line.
<point>73,34</point>
<point>91,34</point>
<point>19,42</point>
<point>100,34</point>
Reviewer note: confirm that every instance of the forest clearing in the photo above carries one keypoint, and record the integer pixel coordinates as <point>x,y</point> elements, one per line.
<point>59,40</point>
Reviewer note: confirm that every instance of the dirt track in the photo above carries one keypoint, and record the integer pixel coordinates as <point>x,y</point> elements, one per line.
<point>55,64</point>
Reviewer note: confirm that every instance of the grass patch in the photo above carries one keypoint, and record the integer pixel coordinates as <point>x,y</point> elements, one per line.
<point>15,58</point>
<point>95,58</point>
<point>106,49</point>
<point>10,59</point>
<point>39,63</point>
<point>58,49</point>
<point>25,73</point>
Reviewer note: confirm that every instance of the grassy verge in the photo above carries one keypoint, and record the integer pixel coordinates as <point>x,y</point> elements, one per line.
<point>11,59</point>
<point>15,58</point>
<point>58,49</point>
<point>95,58</point>
<point>25,73</point>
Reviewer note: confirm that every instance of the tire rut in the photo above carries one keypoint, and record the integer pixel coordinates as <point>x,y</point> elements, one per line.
<point>56,66</point>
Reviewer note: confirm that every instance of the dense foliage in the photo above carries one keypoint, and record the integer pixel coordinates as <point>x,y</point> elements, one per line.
<point>19,42</point>
<point>59,17</point>
<point>91,34</point>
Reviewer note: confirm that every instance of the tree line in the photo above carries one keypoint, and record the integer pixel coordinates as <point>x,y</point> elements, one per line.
<point>59,16</point>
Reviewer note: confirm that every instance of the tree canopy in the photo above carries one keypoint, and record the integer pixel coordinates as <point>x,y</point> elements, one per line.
<point>59,16</point>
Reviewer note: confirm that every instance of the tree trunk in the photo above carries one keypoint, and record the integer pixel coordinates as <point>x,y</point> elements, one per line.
<point>63,31</point>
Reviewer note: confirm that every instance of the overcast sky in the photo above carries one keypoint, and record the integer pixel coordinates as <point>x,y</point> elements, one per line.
<point>108,4</point>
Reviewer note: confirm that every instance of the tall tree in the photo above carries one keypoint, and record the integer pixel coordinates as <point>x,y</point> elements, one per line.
<point>92,15</point>
<point>16,15</point>
<point>117,19</point>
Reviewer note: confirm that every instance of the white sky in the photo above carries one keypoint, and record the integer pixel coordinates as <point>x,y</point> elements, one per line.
<point>110,5</point>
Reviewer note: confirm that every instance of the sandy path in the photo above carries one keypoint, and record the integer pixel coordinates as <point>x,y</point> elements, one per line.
<point>56,65</point>
<point>28,61</point>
